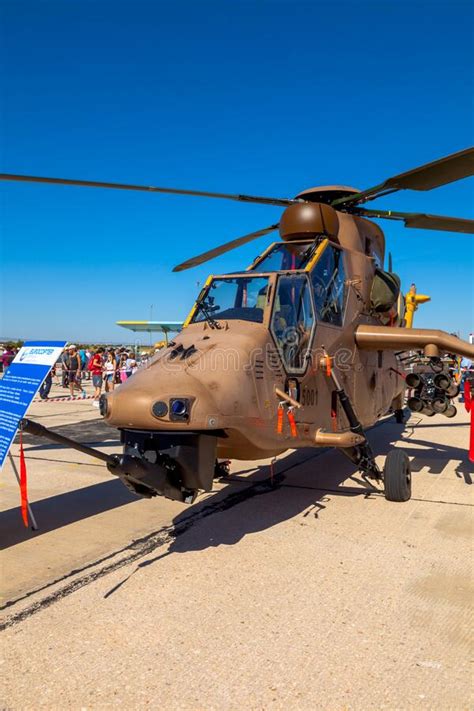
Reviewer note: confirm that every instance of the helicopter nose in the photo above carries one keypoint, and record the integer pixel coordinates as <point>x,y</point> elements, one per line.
<point>134,407</point>
<point>216,382</point>
<point>157,400</point>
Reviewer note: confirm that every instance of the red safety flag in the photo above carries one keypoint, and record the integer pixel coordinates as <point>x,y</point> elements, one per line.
<point>467,396</point>
<point>23,484</point>
<point>328,366</point>
<point>291,420</point>
<point>280,419</point>
<point>468,404</point>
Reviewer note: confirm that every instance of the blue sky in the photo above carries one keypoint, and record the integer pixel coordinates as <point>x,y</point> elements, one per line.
<point>256,97</point>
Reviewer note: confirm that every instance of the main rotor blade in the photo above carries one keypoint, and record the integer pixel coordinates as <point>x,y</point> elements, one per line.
<point>426,177</point>
<point>282,202</point>
<point>227,247</point>
<point>423,221</point>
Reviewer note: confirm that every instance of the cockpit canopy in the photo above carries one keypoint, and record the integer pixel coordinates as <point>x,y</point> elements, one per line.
<point>301,283</point>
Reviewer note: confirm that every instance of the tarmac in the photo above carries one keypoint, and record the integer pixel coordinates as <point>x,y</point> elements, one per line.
<point>305,590</point>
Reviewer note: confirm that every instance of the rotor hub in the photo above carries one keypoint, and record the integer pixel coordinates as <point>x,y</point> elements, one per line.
<point>308,219</point>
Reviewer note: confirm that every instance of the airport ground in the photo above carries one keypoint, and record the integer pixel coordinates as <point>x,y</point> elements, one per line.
<point>310,591</point>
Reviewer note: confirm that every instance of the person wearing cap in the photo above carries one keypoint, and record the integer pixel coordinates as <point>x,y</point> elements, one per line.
<point>64,375</point>
<point>73,366</point>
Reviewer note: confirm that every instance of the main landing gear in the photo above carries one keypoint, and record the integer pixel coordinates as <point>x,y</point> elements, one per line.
<point>396,474</point>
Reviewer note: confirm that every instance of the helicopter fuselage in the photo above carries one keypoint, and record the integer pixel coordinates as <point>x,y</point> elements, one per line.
<point>275,328</point>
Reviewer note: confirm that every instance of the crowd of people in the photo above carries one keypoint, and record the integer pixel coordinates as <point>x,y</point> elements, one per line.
<point>106,369</point>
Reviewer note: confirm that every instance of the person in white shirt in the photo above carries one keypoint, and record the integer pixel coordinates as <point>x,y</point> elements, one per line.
<point>110,366</point>
<point>131,366</point>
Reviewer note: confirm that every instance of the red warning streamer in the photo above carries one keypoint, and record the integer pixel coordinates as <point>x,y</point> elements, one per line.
<point>280,419</point>
<point>291,420</point>
<point>23,484</point>
<point>328,366</point>
<point>469,405</point>
<point>467,396</point>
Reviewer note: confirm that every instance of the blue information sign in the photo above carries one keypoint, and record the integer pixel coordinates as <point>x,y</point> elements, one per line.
<point>20,384</point>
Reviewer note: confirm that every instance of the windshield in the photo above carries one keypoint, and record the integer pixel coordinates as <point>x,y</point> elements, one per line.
<point>286,257</point>
<point>233,298</point>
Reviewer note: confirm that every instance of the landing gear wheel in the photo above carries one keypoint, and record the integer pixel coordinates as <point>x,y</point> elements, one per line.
<point>397,476</point>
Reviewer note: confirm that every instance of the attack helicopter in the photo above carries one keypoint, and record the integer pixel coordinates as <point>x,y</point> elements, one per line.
<point>303,348</point>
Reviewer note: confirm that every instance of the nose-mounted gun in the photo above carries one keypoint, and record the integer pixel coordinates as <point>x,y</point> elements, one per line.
<point>176,466</point>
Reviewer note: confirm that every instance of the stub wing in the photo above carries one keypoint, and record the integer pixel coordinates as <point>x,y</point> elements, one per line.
<point>433,342</point>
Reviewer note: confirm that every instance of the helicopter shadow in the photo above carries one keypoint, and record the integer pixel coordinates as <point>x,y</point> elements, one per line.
<point>251,504</point>
<point>435,457</point>
<point>304,484</point>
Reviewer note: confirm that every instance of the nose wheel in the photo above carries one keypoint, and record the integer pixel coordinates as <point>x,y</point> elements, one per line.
<point>397,476</point>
